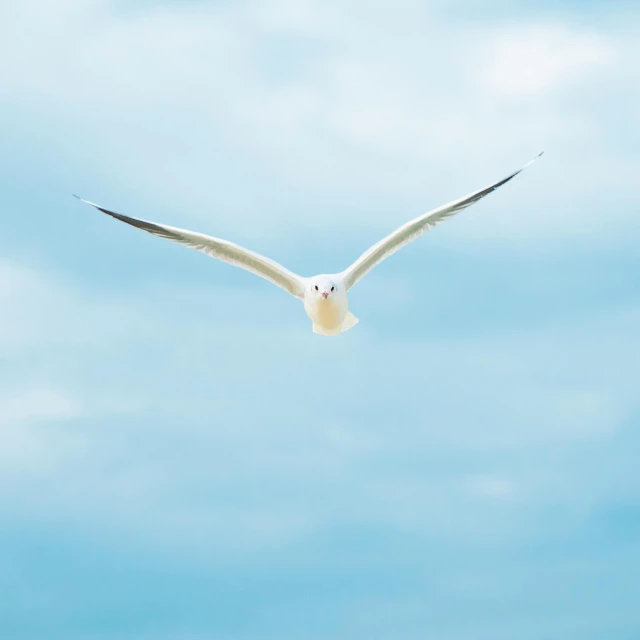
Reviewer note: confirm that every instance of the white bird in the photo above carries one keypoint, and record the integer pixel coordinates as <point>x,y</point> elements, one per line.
<point>324,296</point>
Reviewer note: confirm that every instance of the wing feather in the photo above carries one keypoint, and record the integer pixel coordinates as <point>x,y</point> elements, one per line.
<point>221,249</point>
<point>414,228</point>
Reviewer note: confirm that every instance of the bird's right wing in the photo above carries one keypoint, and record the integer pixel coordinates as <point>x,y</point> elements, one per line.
<point>411,230</point>
<point>220,249</point>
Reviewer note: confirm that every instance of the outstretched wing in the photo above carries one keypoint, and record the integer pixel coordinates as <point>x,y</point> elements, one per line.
<point>220,249</point>
<point>411,230</point>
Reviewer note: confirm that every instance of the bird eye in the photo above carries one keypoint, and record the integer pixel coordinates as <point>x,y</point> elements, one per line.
<point>316,287</point>
<point>332,288</point>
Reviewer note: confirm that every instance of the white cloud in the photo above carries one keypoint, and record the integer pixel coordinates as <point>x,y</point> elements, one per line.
<point>179,436</point>
<point>530,62</point>
<point>31,443</point>
<point>182,106</point>
<point>492,487</point>
<point>36,405</point>
<point>40,314</point>
<point>370,127</point>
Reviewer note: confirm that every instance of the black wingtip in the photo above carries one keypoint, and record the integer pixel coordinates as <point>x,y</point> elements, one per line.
<point>531,161</point>
<point>92,204</point>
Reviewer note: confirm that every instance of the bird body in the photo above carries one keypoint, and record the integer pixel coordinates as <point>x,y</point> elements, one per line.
<point>328,305</point>
<point>324,296</point>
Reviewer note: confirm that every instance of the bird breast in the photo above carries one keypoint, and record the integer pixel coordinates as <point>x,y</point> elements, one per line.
<point>327,313</point>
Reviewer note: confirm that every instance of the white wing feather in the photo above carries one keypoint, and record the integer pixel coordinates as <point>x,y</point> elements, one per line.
<point>220,249</point>
<point>411,230</point>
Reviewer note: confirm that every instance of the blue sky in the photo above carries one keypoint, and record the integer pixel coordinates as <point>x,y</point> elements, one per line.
<point>183,459</point>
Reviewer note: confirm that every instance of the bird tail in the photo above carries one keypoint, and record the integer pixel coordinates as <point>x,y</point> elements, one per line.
<point>349,321</point>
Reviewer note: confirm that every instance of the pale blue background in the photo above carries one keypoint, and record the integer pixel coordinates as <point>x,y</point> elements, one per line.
<point>182,459</point>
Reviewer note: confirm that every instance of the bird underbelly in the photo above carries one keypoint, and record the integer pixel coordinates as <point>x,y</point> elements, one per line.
<point>327,315</point>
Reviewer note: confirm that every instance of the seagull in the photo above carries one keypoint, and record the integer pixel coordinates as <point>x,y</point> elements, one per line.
<point>324,296</point>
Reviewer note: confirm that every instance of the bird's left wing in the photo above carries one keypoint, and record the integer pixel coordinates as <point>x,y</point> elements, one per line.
<point>411,230</point>
<point>220,249</point>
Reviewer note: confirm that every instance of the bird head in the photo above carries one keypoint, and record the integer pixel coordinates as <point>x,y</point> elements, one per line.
<point>323,287</point>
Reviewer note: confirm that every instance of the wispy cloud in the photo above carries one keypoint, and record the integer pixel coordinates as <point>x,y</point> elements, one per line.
<point>366,107</point>
<point>175,381</point>
<point>181,456</point>
<point>531,62</point>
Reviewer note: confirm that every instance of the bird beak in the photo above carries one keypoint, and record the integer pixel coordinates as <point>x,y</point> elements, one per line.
<point>325,294</point>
